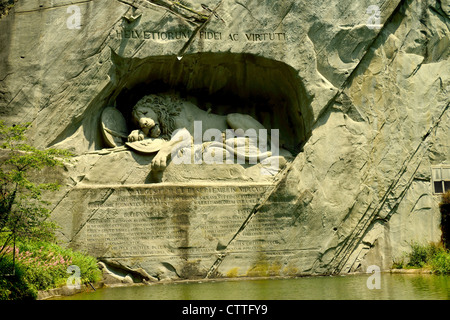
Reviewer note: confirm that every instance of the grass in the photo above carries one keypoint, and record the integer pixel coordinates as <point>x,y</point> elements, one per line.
<point>431,256</point>
<point>41,266</point>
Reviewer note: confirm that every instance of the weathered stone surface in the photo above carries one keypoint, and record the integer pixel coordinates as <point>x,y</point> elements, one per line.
<point>364,109</point>
<point>172,230</point>
<point>370,178</point>
<point>66,105</point>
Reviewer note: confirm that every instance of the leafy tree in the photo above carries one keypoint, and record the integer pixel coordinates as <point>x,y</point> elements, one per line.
<point>23,211</point>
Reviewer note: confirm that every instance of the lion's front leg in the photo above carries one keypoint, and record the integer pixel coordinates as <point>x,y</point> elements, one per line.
<point>159,162</point>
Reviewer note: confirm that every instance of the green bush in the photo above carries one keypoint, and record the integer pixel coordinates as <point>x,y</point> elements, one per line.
<point>15,287</point>
<point>39,263</point>
<point>52,257</point>
<point>433,256</point>
<point>398,264</point>
<point>421,255</point>
<point>440,263</point>
<point>41,266</point>
<point>418,256</point>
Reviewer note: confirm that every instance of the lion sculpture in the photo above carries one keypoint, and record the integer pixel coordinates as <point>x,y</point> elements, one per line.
<point>173,119</point>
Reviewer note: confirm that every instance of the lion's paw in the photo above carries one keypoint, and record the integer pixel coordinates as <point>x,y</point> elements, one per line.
<point>136,135</point>
<point>159,162</point>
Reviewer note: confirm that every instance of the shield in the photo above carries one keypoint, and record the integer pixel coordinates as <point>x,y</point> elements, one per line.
<point>114,127</point>
<point>149,145</point>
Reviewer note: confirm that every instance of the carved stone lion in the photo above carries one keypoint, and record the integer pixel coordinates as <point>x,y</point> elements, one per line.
<point>158,116</point>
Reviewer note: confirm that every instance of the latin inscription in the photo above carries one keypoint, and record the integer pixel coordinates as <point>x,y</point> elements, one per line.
<point>202,35</point>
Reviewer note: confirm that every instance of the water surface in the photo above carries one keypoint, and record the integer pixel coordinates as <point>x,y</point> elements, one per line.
<point>352,287</point>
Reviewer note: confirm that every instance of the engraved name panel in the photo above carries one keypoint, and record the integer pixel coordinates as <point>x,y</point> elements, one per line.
<point>181,220</point>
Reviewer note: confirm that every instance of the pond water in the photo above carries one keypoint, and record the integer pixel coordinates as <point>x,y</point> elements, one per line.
<point>351,287</point>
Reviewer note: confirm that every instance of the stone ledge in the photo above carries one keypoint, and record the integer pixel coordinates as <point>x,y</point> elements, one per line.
<point>66,291</point>
<point>411,271</point>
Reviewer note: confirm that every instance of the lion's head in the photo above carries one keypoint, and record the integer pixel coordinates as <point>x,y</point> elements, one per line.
<point>162,109</point>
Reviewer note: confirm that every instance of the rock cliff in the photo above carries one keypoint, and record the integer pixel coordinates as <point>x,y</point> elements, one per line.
<point>358,89</point>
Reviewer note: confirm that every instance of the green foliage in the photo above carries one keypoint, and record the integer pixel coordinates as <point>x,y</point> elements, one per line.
<point>39,263</point>
<point>440,263</point>
<point>419,255</point>
<point>15,287</point>
<point>431,256</point>
<point>43,265</point>
<point>47,257</point>
<point>23,210</point>
<point>398,264</point>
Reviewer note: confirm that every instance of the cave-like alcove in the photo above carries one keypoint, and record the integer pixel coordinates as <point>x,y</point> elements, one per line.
<point>269,90</point>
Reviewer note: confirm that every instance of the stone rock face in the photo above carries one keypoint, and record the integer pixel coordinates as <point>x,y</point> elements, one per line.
<point>360,96</point>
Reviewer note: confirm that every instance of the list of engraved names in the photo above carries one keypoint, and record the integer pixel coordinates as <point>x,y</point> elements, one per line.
<point>143,221</point>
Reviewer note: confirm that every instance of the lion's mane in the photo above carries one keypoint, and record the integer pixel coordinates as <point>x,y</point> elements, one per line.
<point>166,107</point>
